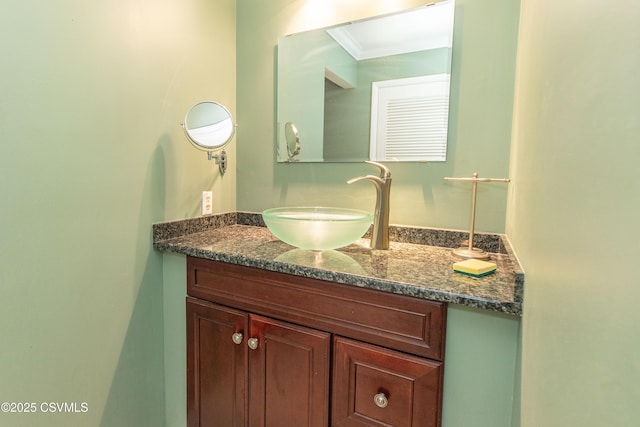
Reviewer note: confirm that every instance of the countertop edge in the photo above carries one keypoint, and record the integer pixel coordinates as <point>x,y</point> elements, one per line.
<point>352,280</point>
<point>161,242</point>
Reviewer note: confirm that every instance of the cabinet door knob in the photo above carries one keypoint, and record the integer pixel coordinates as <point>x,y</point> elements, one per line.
<point>237,338</point>
<point>252,343</point>
<point>381,400</point>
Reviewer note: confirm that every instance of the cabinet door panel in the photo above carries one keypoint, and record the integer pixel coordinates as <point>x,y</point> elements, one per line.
<point>411,325</point>
<point>216,366</point>
<point>289,375</point>
<point>408,387</point>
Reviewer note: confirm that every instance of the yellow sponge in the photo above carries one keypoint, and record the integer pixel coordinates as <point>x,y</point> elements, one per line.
<point>474,267</point>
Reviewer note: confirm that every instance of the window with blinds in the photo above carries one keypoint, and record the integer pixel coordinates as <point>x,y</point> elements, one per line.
<point>409,119</point>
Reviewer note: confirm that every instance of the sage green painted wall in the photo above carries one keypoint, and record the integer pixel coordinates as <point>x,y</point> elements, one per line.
<point>483,72</point>
<point>174,270</point>
<point>480,376</point>
<point>574,209</point>
<point>81,298</point>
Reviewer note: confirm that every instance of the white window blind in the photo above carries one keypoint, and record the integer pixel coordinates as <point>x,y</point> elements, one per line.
<point>409,119</point>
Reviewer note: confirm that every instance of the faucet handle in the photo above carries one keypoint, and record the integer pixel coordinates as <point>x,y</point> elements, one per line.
<point>385,173</point>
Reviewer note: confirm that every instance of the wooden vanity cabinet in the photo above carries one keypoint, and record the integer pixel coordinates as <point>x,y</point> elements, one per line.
<point>374,386</point>
<point>217,376</point>
<point>270,349</point>
<point>234,358</point>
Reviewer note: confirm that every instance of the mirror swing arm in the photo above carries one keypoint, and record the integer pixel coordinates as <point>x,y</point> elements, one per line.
<point>221,160</point>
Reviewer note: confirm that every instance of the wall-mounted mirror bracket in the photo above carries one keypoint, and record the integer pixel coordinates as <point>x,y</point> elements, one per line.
<point>221,160</point>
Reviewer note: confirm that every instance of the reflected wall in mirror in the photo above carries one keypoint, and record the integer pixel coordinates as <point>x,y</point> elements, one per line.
<point>375,89</point>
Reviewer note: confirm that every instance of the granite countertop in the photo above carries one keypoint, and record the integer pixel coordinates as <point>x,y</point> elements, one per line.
<point>418,264</point>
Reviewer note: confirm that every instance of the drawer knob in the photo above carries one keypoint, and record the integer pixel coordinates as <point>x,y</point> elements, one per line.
<point>381,400</point>
<point>237,338</point>
<point>252,343</point>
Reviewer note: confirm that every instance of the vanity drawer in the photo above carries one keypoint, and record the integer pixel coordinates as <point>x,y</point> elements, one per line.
<point>374,386</point>
<point>399,322</point>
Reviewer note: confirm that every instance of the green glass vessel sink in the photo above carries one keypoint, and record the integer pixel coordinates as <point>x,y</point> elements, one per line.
<point>317,228</point>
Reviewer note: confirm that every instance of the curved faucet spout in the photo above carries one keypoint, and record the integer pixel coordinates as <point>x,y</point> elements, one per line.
<point>376,181</point>
<point>380,235</point>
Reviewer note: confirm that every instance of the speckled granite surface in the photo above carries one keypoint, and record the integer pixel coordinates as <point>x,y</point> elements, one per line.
<point>419,263</point>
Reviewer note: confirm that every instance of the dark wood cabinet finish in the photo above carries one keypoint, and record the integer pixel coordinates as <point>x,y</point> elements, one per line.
<point>403,323</point>
<point>311,353</point>
<point>217,380</point>
<point>289,375</point>
<point>409,387</point>
<point>285,376</point>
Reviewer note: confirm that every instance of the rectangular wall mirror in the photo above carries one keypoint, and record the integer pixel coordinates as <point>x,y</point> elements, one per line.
<point>374,89</point>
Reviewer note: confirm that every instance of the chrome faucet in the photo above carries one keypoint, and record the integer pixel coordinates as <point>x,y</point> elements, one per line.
<point>380,236</point>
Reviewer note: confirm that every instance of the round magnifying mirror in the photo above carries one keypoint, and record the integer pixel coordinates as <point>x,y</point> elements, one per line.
<point>292,136</point>
<point>209,126</point>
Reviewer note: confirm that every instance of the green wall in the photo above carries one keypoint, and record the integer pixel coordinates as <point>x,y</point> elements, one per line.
<point>91,154</point>
<point>574,209</point>
<point>483,72</point>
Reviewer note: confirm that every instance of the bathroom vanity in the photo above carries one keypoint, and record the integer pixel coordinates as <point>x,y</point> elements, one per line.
<point>277,349</point>
<point>354,337</point>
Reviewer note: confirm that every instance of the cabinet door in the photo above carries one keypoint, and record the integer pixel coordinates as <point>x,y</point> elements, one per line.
<point>374,386</point>
<point>289,375</point>
<point>216,365</point>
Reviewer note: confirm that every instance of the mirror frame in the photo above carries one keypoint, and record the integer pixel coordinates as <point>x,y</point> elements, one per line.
<point>198,144</point>
<point>221,159</point>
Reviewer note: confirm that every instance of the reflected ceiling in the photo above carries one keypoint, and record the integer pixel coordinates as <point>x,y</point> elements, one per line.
<point>424,29</point>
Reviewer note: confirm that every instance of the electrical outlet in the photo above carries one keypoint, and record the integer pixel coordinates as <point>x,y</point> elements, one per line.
<point>207,203</point>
